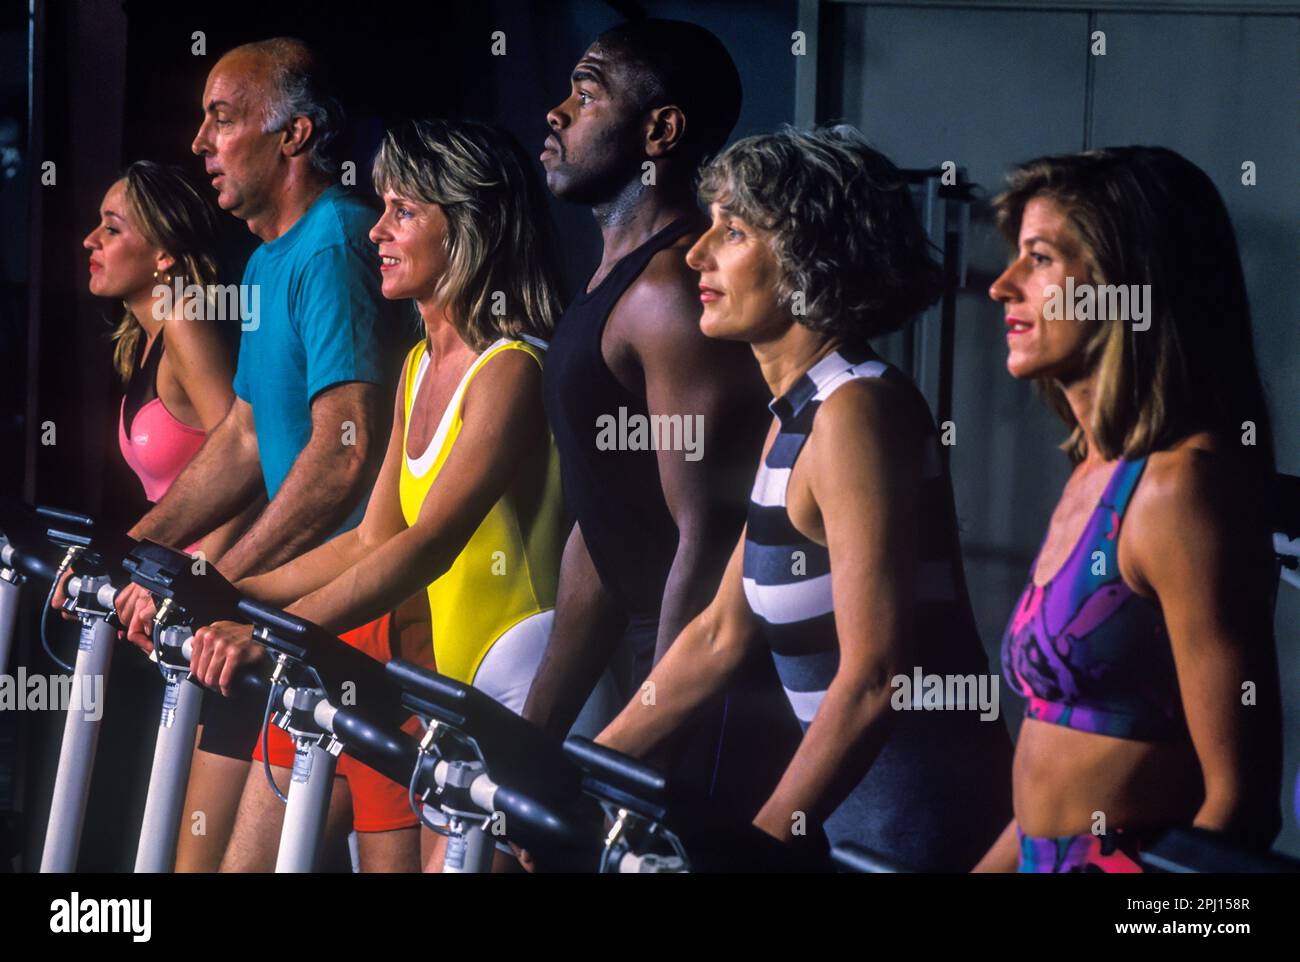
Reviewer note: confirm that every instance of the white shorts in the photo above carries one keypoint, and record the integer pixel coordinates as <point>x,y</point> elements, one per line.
<point>507,671</point>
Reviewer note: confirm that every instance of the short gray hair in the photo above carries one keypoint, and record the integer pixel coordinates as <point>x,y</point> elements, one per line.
<point>839,219</point>
<point>299,87</point>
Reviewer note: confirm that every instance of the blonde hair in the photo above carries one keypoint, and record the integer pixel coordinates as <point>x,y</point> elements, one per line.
<point>170,213</point>
<point>499,238</point>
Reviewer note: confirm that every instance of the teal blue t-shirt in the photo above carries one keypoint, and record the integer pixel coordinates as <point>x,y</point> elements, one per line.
<point>321,321</point>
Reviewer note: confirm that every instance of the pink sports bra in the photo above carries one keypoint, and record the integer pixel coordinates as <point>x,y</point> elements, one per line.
<point>156,445</point>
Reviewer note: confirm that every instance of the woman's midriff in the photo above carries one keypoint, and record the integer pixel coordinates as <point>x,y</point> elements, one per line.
<point>1062,776</point>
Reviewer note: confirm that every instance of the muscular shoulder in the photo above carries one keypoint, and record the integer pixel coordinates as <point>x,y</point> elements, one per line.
<point>865,419</point>
<point>509,381</point>
<point>664,300</point>
<point>194,342</point>
<point>658,319</point>
<point>1186,505</point>
<point>194,346</point>
<point>1179,483</point>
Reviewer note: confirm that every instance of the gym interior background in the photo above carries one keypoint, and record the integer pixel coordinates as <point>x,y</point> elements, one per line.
<point>983,85</point>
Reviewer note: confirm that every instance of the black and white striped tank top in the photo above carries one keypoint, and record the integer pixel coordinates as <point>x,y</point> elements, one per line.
<point>787,578</point>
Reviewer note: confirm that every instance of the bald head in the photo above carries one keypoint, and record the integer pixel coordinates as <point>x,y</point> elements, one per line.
<point>265,59</point>
<point>282,50</point>
<point>286,78</point>
<point>269,130</point>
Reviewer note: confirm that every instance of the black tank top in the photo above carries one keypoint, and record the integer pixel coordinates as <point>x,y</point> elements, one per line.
<point>142,387</point>
<point>615,495</point>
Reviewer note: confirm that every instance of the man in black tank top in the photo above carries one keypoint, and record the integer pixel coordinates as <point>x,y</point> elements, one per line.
<point>659,428</point>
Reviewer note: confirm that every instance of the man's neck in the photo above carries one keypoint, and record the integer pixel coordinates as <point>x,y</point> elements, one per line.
<point>637,213</point>
<point>296,194</point>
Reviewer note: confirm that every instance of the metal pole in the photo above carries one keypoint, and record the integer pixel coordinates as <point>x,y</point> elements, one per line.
<point>172,755</point>
<point>10,592</point>
<point>469,850</point>
<point>77,754</point>
<point>309,801</point>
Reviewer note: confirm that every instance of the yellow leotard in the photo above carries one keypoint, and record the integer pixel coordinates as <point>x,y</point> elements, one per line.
<point>508,570</point>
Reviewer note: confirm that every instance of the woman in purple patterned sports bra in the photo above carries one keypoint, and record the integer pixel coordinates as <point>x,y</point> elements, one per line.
<point>1147,660</point>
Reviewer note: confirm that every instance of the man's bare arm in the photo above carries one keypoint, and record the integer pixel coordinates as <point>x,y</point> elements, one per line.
<point>197,361</point>
<point>220,481</point>
<point>586,629</point>
<point>215,545</point>
<point>330,475</point>
<point>717,386</point>
<point>383,519</point>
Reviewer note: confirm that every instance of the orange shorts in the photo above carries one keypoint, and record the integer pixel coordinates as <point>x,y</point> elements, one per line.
<point>379,804</point>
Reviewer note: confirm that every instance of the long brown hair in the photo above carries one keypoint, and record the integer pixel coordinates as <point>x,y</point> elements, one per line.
<point>172,213</point>
<point>1148,216</point>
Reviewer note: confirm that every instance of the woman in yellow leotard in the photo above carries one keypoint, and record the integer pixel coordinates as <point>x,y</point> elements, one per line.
<point>467,505</point>
<point>491,609</point>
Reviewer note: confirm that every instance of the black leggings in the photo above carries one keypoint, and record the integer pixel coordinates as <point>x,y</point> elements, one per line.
<point>230,725</point>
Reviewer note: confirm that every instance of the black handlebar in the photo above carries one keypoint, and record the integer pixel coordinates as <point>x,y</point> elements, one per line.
<point>169,573</point>
<point>30,550</point>
<point>103,551</point>
<point>286,626</point>
<point>562,837</point>
<point>538,788</point>
<point>392,753</point>
<point>565,836</point>
<point>209,597</point>
<point>520,753</point>
<point>250,686</point>
<point>33,563</point>
<point>1198,850</point>
<point>714,839</point>
<point>347,674</point>
<point>620,778</point>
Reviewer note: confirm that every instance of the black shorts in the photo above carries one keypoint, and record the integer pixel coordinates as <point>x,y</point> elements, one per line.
<point>231,726</point>
<point>639,636</point>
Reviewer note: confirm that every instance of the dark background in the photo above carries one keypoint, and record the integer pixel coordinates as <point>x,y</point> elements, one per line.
<point>983,84</point>
<point>118,83</point>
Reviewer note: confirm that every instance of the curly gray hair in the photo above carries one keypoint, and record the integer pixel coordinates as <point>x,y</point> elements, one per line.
<point>839,218</point>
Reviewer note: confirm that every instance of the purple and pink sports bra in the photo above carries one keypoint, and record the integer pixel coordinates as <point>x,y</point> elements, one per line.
<point>1084,649</point>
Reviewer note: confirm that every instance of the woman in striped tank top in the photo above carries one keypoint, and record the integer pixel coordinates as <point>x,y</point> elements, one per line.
<point>849,568</point>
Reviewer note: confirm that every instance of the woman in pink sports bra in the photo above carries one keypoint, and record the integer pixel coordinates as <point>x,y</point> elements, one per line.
<point>157,229</point>
<point>1143,642</point>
